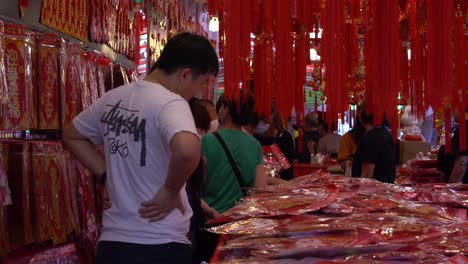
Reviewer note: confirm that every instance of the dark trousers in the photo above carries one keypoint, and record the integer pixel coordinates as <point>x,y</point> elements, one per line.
<point>109,252</point>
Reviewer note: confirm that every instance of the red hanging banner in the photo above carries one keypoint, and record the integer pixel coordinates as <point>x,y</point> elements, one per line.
<point>69,17</point>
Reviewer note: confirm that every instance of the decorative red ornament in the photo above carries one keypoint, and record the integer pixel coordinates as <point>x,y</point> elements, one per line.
<point>383,47</point>
<point>333,56</point>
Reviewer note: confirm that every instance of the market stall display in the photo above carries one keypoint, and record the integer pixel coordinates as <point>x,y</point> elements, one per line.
<point>322,217</point>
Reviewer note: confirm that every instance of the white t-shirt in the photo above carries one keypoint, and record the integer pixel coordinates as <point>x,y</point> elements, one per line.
<point>135,123</point>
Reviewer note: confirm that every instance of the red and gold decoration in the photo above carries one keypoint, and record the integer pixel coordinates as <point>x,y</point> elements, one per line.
<point>382,51</point>
<point>20,111</point>
<point>49,103</point>
<point>69,17</point>
<point>70,83</point>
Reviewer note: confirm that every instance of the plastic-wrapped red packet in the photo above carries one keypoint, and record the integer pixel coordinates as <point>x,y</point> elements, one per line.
<point>90,75</point>
<point>21,110</point>
<point>103,70</point>
<point>3,81</point>
<point>70,82</point>
<point>63,255</point>
<point>19,177</point>
<point>4,232</point>
<point>49,117</point>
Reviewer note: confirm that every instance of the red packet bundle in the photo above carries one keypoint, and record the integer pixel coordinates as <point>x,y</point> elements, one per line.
<point>104,66</point>
<point>49,117</point>
<point>89,79</point>
<point>4,241</point>
<point>124,75</point>
<point>48,170</point>
<point>70,82</point>
<point>20,112</point>
<point>63,255</point>
<point>3,81</point>
<point>19,177</point>
<point>86,205</point>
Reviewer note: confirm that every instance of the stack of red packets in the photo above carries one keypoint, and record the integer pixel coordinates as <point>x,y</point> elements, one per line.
<point>321,218</point>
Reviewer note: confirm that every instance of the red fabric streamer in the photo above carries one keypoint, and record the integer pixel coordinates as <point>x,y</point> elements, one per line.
<point>232,55</point>
<point>382,65</point>
<point>460,85</point>
<point>301,56</point>
<point>439,73</point>
<point>333,56</point>
<point>448,131</point>
<point>416,92</point>
<point>214,6</point>
<point>284,57</point>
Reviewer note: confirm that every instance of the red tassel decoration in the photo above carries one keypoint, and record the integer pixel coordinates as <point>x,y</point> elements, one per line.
<point>448,131</point>
<point>284,56</point>
<point>301,52</point>
<point>214,6</point>
<point>333,56</point>
<point>460,85</point>
<point>382,65</point>
<point>439,73</point>
<point>232,55</point>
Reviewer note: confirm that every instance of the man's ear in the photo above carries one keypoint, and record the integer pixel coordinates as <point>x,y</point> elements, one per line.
<point>185,73</point>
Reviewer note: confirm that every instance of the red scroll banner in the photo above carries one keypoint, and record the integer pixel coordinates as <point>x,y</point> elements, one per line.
<point>49,117</point>
<point>69,17</point>
<point>20,112</point>
<point>70,82</point>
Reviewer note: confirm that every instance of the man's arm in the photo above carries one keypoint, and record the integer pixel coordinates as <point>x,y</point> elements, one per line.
<point>84,150</point>
<point>367,170</point>
<point>185,156</point>
<point>459,169</point>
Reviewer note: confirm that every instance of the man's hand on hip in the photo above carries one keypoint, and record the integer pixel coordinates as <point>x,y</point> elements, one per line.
<point>161,205</point>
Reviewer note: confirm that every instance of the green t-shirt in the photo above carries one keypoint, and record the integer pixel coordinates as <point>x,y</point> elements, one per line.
<point>223,189</point>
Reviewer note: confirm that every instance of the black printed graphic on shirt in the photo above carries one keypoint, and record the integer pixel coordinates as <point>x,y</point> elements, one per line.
<point>120,121</point>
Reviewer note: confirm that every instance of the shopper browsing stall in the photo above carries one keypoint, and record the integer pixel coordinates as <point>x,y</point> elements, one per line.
<point>375,154</point>
<point>459,173</point>
<point>147,131</point>
<point>329,140</point>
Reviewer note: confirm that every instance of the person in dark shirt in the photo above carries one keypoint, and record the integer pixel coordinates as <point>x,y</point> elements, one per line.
<point>278,134</point>
<point>459,173</point>
<point>375,154</point>
<point>310,137</point>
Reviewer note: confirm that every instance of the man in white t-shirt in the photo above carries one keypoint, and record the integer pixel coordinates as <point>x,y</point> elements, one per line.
<point>151,149</point>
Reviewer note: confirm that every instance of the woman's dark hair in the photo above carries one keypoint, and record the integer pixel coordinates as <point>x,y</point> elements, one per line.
<point>240,109</point>
<point>200,114</point>
<point>188,50</point>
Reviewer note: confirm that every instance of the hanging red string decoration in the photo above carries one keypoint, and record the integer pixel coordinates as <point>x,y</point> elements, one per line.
<point>284,57</point>
<point>214,6</point>
<point>439,73</point>
<point>333,57</point>
<point>417,59</point>
<point>301,52</point>
<point>232,51</point>
<point>351,44</point>
<point>263,60</point>
<point>382,66</point>
<point>460,85</point>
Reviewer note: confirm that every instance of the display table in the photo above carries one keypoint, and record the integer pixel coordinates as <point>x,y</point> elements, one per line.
<point>301,169</point>
<point>337,219</point>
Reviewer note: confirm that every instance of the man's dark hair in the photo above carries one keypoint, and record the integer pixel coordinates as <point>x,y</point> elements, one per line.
<point>240,109</point>
<point>253,120</point>
<point>200,114</point>
<point>188,50</point>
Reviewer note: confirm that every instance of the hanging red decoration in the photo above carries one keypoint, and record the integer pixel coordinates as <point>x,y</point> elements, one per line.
<point>301,52</point>
<point>333,57</point>
<point>439,72</point>
<point>460,83</point>
<point>214,6</point>
<point>232,55</point>
<point>382,65</point>
<point>284,57</point>
<point>264,61</point>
